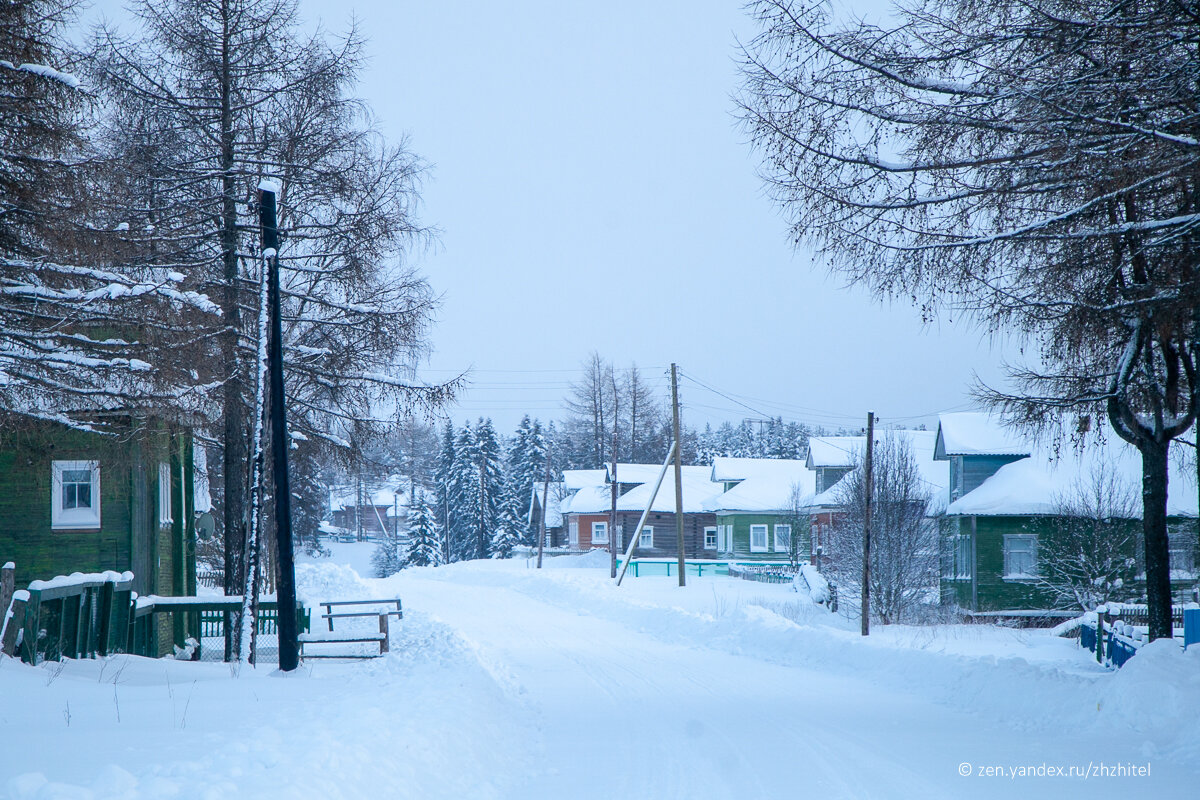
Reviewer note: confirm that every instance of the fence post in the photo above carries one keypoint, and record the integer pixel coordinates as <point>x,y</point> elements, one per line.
<point>8,585</point>
<point>1191,627</point>
<point>15,623</point>
<point>383,628</point>
<point>1101,618</point>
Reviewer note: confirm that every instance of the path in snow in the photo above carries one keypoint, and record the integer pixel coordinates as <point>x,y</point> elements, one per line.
<point>622,713</point>
<point>505,682</point>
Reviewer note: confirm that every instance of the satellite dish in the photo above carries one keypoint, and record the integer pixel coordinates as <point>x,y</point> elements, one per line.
<point>206,526</point>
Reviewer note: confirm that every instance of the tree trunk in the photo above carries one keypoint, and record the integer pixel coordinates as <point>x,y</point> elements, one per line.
<point>235,433</point>
<point>1154,528</point>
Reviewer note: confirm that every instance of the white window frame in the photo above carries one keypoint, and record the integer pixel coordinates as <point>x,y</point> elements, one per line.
<point>647,537</point>
<point>787,547</point>
<point>598,528</point>
<point>74,518</point>
<point>961,563</point>
<point>712,546</point>
<point>573,533</point>
<point>165,517</point>
<point>759,548</point>
<point>1029,540</point>
<point>620,536</point>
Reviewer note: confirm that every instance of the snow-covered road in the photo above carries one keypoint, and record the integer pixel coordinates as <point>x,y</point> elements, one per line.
<point>506,682</point>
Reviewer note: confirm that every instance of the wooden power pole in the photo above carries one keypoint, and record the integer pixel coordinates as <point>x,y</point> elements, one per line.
<point>868,485</point>
<point>612,514</point>
<point>678,474</point>
<point>285,570</point>
<point>545,498</point>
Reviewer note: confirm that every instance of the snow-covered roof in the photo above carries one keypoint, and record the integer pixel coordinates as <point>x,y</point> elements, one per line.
<point>977,433</point>
<point>834,451</point>
<point>636,473</point>
<point>589,500</point>
<point>767,485</point>
<point>555,493</point>
<point>697,491</point>
<point>935,475</point>
<point>1042,483</point>
<point>393,493</point>
<point>581,478</point>
<point>726,468</point>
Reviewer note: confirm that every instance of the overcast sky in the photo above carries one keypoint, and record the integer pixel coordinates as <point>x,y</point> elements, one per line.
<point>594,192</point>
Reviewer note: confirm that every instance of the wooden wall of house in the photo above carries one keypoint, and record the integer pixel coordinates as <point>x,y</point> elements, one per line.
<point>741,536</point>
<point>988,589</point>
<point>26,537</point>
<point>665,536</point>
<point>129,536</point>
<point>585,529</point>
<point>967,473</point>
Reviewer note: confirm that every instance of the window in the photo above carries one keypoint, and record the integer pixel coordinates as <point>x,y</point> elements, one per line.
<point>710,538</point>
<point>1181,543</point>
<point>758,538</point>
<point>75,494</point>
<point>958,557</point>
<point>573,533</point>
<point>1020,555</point>
<point>647,537</point>
<point>621,537</point>
<point>783,538</point>
<point>164,495</point>
<point>599,533</point>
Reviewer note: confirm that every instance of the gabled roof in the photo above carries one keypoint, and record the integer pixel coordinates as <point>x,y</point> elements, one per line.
<point>589,500</point>
<point>935,475</point>
<point>725,468</point>
<point>1050,477</point>
<point>556,492</point>
<point>634,473</point>
<point>769,485</point>
<point>581,478</point>
<point>697,490</point>
<point>977,433</point>
<point>834,451</point>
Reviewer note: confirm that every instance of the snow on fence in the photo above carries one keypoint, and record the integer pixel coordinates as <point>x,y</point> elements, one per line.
<point>1116,631</point>
<point>98,614</point>
<point>781,573</point>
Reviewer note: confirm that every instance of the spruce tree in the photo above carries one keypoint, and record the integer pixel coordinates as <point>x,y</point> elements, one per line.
<point>425,544</point>
<point>526,470</point>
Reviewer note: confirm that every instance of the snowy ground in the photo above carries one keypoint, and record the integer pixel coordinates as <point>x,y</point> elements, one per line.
<point>506,682</point>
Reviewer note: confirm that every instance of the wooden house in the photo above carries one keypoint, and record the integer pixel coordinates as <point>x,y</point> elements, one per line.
<point>585,508</point>
<point>555,493</point>
<point>368,512</point>
<point>838,456</point>
<point>1006,498</point>
<point>659,537</point>
<point>79,501</point>
<point>761,511</point>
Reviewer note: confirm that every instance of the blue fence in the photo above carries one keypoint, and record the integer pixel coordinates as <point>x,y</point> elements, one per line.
<point>1115,639</point>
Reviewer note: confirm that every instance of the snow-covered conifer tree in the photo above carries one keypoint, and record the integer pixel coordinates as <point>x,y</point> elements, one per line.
<point>425,545</point>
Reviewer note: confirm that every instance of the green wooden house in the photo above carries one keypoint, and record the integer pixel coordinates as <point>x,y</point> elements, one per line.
<point>1007,500</point>
<point>79,501</point>
<point>761,514</point>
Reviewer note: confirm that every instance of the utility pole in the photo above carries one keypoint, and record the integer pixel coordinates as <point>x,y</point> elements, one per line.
<point>545,496</point>
<point>285,569</point>
<point>612,514</point>
<point>868,484</point>
<point>678,473</point>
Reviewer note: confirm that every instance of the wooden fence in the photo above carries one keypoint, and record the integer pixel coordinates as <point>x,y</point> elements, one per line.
<point>1116,631</point>
<point>86,616</point>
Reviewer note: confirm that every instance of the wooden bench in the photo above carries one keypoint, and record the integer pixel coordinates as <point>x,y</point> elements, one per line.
<point>309,639</point>
<point>330,615</point>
